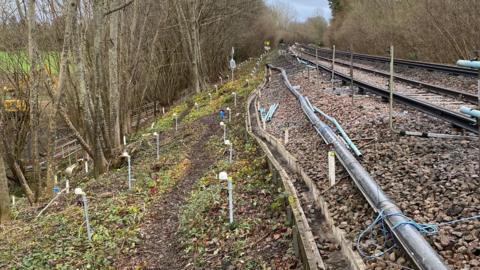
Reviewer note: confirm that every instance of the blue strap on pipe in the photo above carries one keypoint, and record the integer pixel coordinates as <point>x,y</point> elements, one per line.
<point>424,228</point>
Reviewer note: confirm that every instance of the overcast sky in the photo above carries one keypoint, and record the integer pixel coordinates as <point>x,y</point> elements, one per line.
<point>307,8</point>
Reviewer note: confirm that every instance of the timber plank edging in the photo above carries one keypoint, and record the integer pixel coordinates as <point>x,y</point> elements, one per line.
<point>311,258</point>
<point>355,260</point>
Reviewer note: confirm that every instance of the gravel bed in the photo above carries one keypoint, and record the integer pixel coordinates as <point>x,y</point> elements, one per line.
<point>418,93</point>
<point>431,180</point>
<point>459,82</point>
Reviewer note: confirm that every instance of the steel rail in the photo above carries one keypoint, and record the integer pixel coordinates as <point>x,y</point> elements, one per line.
<point>454,118</point>
<point>410,63</point>
<point>412,241</point>
<point>471,98</point>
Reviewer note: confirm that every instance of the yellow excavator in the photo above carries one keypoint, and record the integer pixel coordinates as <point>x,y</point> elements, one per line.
<point>12,104</point>
<point>10,100</point>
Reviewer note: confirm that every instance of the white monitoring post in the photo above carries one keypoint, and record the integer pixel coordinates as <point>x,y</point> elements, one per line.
<point>176,121</point>
<point>129,162</point>
<point>331,167</point>
<point>157,137</point>
<point>235,98</point>
<point>224,130</point>
<point>86,163</point>
<point>230,145</point>
<point>229,114</point>
<point>79,191</point>
<point>223,176</point>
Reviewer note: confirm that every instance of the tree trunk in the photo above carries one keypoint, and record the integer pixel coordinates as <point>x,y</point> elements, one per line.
<point>114,78</point>
<point>99,157</point>
<point>33,97</point>
<point>16,170</point>
<point>4,194</point>
<point>57,96</point>
<point>21,14</point>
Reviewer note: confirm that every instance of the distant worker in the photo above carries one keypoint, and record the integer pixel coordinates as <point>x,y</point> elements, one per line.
<point>222,114</point>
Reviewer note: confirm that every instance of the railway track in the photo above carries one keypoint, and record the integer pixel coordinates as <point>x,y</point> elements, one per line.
<point>450,69</point>
<point>412,171</point>
<point>438,101</point>
<point>427,88</point>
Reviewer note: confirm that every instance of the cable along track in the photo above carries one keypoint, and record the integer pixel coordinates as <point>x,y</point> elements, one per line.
<point>411,97</point>
<point>410,239</point>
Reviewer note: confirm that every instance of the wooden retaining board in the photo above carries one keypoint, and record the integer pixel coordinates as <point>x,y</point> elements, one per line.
<point>309,253</point>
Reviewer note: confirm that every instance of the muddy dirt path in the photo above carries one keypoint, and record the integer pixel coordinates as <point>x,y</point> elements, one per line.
<point>160,249</point>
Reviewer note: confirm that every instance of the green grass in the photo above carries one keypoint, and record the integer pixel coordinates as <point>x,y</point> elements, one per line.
<point>206,235</point>
<point>19,62</point>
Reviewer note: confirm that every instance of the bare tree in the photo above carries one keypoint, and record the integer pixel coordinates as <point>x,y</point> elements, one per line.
<point>34,84</point>
<point>107,60</point>
<point>4,194</point>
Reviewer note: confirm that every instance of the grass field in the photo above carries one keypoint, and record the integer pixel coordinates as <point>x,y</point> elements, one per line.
<point>18,61</point>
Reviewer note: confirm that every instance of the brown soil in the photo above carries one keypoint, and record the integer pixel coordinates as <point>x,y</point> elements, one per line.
<point>161,249</point>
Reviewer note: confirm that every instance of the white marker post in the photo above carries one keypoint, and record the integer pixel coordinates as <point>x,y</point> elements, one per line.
<point>124,140</point>
<point>79,191</point>
<point>222,124</point>
<point>13,201</point>
<point>210,96</point>
<point>230,199</point>
<point>129,162</point>
<point>286,137</point>
<point>221,80</point>
<point>232,63</point>
<point>230,145</point>
<point>229,114</point>
<point>163,110</point>
<point>67,186</point>
<point>196,106</point>
<point>331,167</point>
<point>176,121</point>
<point>235,98</point>
<point>223,176</point>
<point>86,163</point>
<point>157,136</point>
